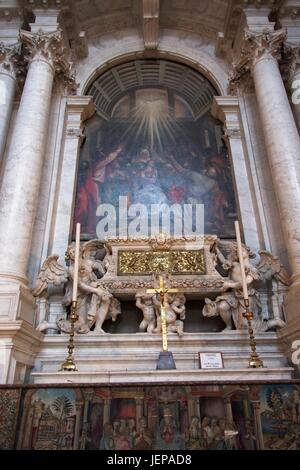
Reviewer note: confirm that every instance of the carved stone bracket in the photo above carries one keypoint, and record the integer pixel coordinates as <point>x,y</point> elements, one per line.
<point>231,133</point>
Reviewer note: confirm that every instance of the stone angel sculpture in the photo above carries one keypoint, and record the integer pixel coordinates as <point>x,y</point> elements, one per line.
<point>230,305</point>
<point>95,304</point>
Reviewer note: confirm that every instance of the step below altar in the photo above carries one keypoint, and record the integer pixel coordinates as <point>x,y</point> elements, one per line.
<point>132,358</point>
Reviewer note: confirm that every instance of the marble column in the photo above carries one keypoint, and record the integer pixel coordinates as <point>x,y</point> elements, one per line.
<point>260,53</point>
<point>8,60</point>
<point>22,172</point>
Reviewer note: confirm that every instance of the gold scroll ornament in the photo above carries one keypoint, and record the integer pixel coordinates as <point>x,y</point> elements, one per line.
<point>143,263</point>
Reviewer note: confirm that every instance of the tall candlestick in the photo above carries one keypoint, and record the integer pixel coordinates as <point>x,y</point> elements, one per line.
<point>241,259</point>
<point>76,263</point>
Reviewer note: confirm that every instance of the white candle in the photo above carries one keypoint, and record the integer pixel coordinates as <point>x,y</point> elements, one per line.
<point>76,263</point>
<point>241,259</point>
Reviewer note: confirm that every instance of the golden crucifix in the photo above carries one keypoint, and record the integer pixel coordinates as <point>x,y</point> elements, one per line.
<point>162,291</point>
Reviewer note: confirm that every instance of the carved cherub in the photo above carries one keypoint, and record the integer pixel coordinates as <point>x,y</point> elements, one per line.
<point>174,305</point>
<point>230,305</point>
<point>145,303</point>
<point>94,303</point>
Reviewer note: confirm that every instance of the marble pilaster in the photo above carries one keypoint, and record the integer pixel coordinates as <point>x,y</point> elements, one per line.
<point>78,109</point>
<point>226,109</point>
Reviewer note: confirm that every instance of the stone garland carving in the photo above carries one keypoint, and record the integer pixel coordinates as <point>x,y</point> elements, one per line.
<point>230,305</point>
<point>95,303</point>
<point>176,283</point>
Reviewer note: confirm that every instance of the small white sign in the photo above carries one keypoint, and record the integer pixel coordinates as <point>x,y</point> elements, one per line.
<point>212,360</point>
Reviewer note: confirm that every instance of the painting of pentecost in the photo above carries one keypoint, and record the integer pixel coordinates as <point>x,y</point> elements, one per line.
<point>154,150</point>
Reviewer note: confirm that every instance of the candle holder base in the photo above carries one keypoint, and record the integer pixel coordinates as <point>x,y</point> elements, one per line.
<point>255,361</point>
<point>68,366</point>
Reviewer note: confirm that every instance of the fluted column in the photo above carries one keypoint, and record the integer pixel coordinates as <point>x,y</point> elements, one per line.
<point>22,173</point>
<point>8,62</point>
<point>260,52</point>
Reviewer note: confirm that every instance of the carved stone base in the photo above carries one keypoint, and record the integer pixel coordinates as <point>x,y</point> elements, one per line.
<point>165,361</point>
<point>16,303</point>
<point>20,343</point>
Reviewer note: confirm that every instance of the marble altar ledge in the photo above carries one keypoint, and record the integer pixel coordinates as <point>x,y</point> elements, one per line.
<point>245,375</point>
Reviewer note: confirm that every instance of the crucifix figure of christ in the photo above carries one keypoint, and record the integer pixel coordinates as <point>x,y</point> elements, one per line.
<point>162,291</point>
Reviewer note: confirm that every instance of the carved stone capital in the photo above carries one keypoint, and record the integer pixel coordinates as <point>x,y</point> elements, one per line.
<point>255,47</point>
<point>10,59</point>
<point>49,47</point>
<point>290,63</point>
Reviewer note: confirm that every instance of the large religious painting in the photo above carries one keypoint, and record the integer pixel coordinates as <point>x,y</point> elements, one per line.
<point>167,417</point>
<point>155,146</point>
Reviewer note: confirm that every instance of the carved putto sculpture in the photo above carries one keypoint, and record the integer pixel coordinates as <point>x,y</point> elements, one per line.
<point>230,305</point>
<point>145,302</point>
<point>95,303</point>
<point>151,308</point>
